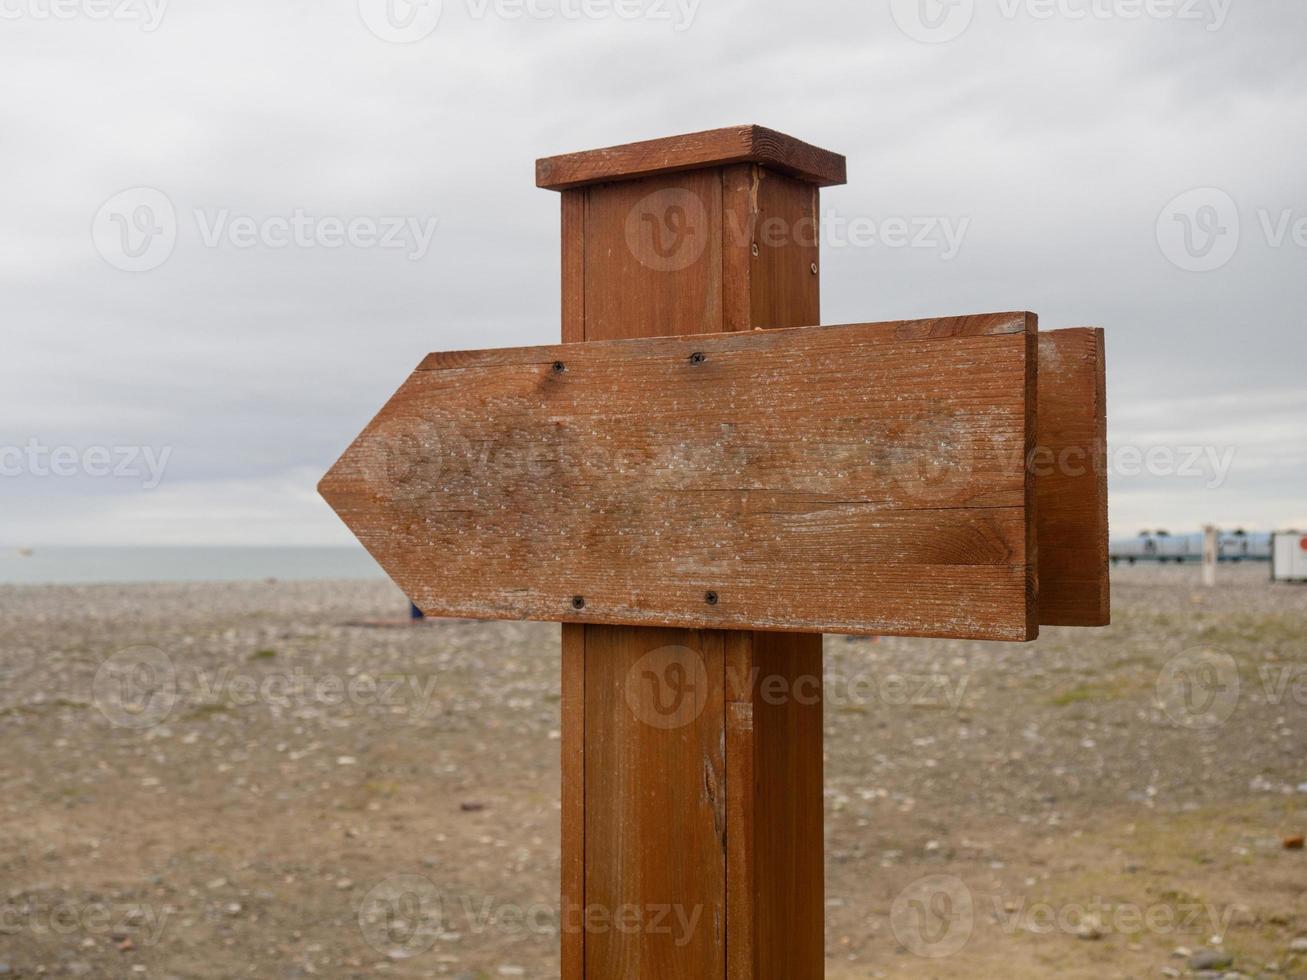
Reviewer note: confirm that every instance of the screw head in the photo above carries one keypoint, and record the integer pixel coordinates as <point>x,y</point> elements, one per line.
<point>710,597</point>
<point>559,367</point>
<point>578,602</point>
<point>698,357</point>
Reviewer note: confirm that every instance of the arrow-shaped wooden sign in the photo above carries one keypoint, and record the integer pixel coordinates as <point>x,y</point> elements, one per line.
<point>760,486</point>
<point>866,479</point>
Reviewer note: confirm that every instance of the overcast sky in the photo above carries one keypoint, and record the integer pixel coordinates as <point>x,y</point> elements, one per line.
<point>1133,165</point>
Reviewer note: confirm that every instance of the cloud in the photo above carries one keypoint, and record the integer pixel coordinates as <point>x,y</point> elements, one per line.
<point>254,511</point>
<point>1060,141</point>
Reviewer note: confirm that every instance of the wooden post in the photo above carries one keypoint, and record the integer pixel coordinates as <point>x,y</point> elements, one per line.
<point>664,498</point>
<point>692,796</point>
<point>1211,555</point>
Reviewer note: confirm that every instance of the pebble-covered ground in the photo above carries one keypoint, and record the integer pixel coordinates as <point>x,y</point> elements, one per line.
<point>240,781</point>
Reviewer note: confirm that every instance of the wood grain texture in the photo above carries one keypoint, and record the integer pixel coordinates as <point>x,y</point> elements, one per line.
<point>1071,477</point>
<point>572,818</point>
<point>770,250</point>
<point>739,218</point>
<point>775,872</point>
<point>572,735</point>
<point>651,263</point>
<point>500,485</point>
<point>1031,515</point>
<point>646,234</point>
<point>742,897</point>
<point>775,847</point>
<point>788,877</point>
<point>785,272</point>
<point>703,151</point>
<point>655,814</point>
<point>814,479</point>
<point>573,265</point>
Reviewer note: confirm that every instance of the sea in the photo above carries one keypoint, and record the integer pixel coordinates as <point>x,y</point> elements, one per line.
<point>77,566</point>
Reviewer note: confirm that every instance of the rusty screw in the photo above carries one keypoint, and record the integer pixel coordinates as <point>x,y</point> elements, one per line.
<point>578,602</point>
<point>711,598</point>
<point>559,367</point>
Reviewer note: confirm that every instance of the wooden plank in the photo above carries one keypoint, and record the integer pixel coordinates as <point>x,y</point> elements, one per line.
<point>774,801</point>
<point>823,339</point>
<point>813,479</point>
<point>1071,476</point>
<point>652,233</point>
<point>654,756</point>
<point>694,151</point>
<point>739,217</point>
<point>650,268</point>
<point>1031,515</point>
<point>742,897</point>
<point>572,872</point>
<point>572,735</point>
<point>573,265</point>
<point>784,281</point>
<point>788,879</point>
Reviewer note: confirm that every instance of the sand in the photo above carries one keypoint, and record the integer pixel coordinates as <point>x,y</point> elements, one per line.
<point>232,780</point>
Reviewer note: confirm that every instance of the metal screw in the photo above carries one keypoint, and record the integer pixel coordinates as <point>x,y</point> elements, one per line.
<point>559,367</point>
<point>755,250</point>
<point>711,598</point>
<point>814,268</point>
<point>578,602</point>
<point>698,357</point>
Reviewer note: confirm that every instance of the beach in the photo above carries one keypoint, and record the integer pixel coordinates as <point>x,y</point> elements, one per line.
<point>283,780</point>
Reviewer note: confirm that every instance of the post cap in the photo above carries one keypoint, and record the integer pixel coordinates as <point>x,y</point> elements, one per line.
<point>694,151</point>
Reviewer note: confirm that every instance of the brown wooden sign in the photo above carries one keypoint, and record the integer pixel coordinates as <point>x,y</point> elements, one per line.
<point>1069,465</point>
<point>853,479</point>
<point>697,485</point>
<point>714,148</point>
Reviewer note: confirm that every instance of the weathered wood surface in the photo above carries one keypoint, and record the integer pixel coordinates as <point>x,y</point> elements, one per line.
<point>572,740</point>
<point>775,848</point>
<point>618,284</point>
<point>644,735</point>
<point>719,815</point>
<point>857,479</point>
<point>768,852</point>
<point>628,282</point>
<point>1070,471</point>
<point>776,890</point>
<point>694,151</point>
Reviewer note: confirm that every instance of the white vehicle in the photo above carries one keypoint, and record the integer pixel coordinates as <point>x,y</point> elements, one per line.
<point>1157,546</point>
<point>1162,546</point>
<point>1288,557</point>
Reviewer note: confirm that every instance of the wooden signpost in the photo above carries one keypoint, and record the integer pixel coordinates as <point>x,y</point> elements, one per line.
<point>698,483</point>
<point>1211,554</point>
